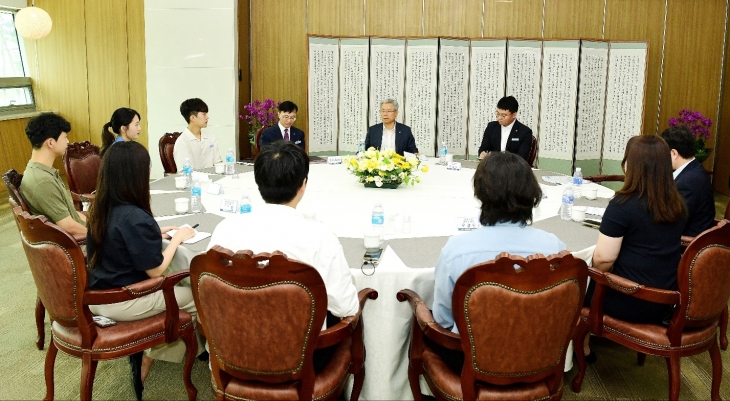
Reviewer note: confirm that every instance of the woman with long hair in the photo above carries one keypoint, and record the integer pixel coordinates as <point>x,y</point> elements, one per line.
<point>124,125</point>
<point>640,232</point>
<point>124,246</point>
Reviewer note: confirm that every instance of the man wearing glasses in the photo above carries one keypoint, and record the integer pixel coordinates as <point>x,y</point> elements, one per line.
<point>390,134</point>
<point>284,130</point>
<point>506,134</point>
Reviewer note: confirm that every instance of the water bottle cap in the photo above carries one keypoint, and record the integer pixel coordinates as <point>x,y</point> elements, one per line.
<point>378,203</point>
<point>577,169</point>
<point>570,185</point>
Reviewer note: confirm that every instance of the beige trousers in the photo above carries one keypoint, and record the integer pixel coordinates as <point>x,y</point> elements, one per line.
<point>150,305</point>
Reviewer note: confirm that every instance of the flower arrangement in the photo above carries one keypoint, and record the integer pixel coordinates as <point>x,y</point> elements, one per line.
<point>699,126</point>
<point>376,168</point>
<point>259,114</point>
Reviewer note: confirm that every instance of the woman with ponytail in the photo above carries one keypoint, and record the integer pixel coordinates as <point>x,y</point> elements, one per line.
<point>124,126</point>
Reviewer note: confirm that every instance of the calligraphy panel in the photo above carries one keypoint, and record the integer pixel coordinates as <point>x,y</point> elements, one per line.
<point>523,79</point>
<point>420,104</point>
<point>353,86</point>
<point>323,91</point>
<point>387,74</point>
<point>486,87</point>
<point>591,100</point>
<point>453,94</point>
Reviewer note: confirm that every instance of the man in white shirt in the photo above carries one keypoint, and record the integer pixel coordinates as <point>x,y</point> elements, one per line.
<point>506,134</point>
<point>200,147</point>
<point>281,171</point>
<point>390,134</point>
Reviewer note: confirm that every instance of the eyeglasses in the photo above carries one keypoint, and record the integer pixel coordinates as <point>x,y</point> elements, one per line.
<point>387,111</point>
<point>503,115</point>
<point>289,118</point>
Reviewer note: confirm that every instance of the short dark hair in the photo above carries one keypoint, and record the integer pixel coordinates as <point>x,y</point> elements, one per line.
<point>287,106</point>
<point>192,107</point>
<point>680,139</point>
<point>507,188</point>
<point>508,103</point>
<point>44,126</point>
<point>280,170</point>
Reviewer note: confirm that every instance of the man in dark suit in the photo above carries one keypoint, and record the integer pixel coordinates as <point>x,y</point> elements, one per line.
<point>389,134</point>
<point>284,130</point>
<point>692,180</point>
<point>506,134</point>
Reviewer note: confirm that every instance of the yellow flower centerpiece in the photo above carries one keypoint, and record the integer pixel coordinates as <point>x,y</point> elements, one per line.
<point>385,169</point>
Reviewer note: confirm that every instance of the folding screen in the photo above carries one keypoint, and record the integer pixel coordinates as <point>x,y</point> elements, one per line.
<point>591,106</point>
<point>453,94</point>
<point>486,87</point>
<point>387,75</point>
<point>524,58</point>
<point>420,109</point>
<point>354,72</point>
<point>322,94</point>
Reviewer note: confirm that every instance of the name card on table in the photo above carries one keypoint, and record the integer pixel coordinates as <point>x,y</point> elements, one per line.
<point>467,223</point>
<point>214,188</point>
<point>453,166</point>
<point>229,205</point>
<point>334,160</point>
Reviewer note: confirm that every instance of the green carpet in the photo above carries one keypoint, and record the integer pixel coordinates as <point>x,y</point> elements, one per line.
<point>614,376</point>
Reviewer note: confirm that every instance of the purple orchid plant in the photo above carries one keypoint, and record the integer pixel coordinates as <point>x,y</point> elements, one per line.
<point>259,114</point>
<point>699,126</point>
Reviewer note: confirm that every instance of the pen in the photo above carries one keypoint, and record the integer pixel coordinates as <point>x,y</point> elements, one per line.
<point>195,226</point>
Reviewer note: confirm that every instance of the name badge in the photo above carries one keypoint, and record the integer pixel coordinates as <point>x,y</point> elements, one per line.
<point>214,188</point>
<point>515,139</point>
<point>297,142</point>
<point>334,160</point>
<point>467,223</point>
<point>211,146</point>
<point>229,205</point>
<point>453,166</point>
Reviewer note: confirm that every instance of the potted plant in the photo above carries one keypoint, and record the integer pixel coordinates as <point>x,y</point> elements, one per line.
<point>699,126</point>
<point>259,114</point>
<point>386,169</point>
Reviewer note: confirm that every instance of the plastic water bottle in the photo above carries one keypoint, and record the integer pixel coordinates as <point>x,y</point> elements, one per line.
<point>442,153</point>
<point>378,219</point>
<point>188,172</point>
<point>577,182</point>
<point>196,205</point>
<point>361,146</point>
<point>230,162</point>
<point>566,206</point>
<point>244,206</point>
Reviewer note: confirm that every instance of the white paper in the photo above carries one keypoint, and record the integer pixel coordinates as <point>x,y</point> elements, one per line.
<point>199,235</point>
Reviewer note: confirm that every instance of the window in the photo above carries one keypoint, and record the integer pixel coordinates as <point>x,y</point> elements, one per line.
<point>16,93</point>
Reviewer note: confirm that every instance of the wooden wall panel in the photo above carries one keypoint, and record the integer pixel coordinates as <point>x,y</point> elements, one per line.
<point>453,18</point>
<point>279,53</point>
<point>244,84</point>
<point>641,20</point>
<point>60,77</point>
<point>15,148</point>
<point>336,17</point>
<point>693,59</point>
<point>573,19</point>
<point>721,176</point>
<point>394,18</point>
<point>137,64</point>
<point>518,19</point>
<point>107,63</point>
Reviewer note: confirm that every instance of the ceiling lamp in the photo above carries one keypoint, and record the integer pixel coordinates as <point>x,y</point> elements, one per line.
<point>33,23</point>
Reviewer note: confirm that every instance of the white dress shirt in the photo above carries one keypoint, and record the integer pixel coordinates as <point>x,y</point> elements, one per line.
<point>271,227</point>
<point>203,153</point>
<point>679,170</point>
<point>388,141</point>
<point>505,135</point>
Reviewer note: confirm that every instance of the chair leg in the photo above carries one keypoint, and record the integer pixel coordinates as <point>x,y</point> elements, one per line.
<point>673,366</point>
<point>357,384</point>
<point>191,346</point>
<point>40,324</point>
<point>414,382</point>
<point>723,329</point>
<point>716,370</point>
<point>50,363</point>
<point>88,371</point>
<point>640,358</point>
<point>578,341</point>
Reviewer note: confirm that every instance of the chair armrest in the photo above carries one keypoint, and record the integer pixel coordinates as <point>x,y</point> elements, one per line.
<point>80,238</point>
<point>346,326</point>
<point>628,287</point>
<point>426,322</point>
<point>136,290</point>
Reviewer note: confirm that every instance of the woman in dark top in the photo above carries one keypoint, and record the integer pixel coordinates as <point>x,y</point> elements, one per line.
<point>124,246</point>
<point>640,232</point>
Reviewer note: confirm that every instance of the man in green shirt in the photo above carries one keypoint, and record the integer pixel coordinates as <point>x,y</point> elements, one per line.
<point>42,187</point>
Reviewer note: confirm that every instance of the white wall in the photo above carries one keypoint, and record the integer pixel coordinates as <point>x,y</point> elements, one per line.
<point>192,51</point>
<point>14,3</point>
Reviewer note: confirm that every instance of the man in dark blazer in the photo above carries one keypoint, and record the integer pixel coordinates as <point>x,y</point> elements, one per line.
<point>389,133</point>
<point>284,130</point>
<point>506,134</point>
<point>692,180</point>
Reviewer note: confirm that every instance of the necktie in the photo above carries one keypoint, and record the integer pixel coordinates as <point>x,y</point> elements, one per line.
<point>286,134</point>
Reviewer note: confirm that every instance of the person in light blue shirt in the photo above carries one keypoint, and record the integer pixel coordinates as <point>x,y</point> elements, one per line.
<point>508,190</point>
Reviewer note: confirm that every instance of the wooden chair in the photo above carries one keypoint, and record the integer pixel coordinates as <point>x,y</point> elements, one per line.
<point>167,151</point>
<point>703,282</point>
<point>257,139</point>
<point>533,153</point>
<point>515,317</point>
<point>62,285</point>
<point>289,301</point>
<point>82,163</point>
